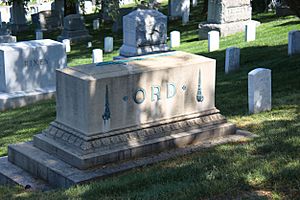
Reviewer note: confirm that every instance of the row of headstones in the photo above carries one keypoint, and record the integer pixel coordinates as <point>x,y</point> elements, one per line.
<point>214,37</point>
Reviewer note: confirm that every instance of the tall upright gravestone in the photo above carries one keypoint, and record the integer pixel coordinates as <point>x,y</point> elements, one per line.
<point>226,16</point>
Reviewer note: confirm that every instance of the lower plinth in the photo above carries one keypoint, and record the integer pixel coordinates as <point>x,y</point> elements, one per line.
<point>224,29</point>
<point>23,98</point>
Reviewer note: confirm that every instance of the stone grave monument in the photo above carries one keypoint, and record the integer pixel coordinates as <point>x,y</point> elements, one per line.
<point>47,20</point>
<point>27,71</point>
<point>111,112</point>
<point>74,29</point>
<point>5,34</point>
<point>259,90</point>
<point>294,42</point>
<point>227,17</point>
<point>144,32</point>
<point>178,8</point>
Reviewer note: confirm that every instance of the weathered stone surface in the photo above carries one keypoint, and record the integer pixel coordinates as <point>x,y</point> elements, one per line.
<point>226,11</point>
<point>232,60</point>
<point>259,90</point>
<point>144,31</point>
<point>226,16</point>
<point>294,42</point>
<point>213,40</point>
<point>74,29</point>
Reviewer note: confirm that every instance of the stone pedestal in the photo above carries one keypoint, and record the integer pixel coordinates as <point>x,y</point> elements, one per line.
<point>144,32</point>
<point>74,29</point>
<point>115,111</point>
<point>226,16</point>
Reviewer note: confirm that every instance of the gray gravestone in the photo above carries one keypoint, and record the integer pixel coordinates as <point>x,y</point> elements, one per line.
<point>294,42</point>
<point>232,61</point>
<point>226,16</point>
<point>18,16</point>
<point>27,71</point>
<point>74,29</point>
<point>259,90</point>
<point>144,31</point>
<point>177,8</point>
<point>47,20</point>
<point>5,35</point>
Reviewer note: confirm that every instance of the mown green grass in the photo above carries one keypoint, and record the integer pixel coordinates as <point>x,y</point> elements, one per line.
<point>267,167</point>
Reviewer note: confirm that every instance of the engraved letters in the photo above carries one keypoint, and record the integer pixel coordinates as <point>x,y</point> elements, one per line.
<point>35,62</point>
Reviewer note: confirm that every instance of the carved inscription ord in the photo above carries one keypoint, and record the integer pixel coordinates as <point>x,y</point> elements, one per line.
<point>139,95</point>
<point>35,62</point>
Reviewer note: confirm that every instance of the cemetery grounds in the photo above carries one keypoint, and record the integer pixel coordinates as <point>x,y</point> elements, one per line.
<point>267,167</point>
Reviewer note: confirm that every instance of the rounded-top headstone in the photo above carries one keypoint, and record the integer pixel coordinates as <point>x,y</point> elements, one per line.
<point>144,31</point>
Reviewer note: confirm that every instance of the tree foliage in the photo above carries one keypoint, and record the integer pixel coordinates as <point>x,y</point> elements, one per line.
<point>294,5</point>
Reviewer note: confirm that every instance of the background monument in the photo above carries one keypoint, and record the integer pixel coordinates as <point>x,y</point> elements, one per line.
<point>227,17</point>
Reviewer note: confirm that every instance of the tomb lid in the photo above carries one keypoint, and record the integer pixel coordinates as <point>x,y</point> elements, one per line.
<point>134,65</point>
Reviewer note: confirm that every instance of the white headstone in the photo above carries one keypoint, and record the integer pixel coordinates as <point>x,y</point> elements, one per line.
<point>67,44</point>
<point>38,34</point>
<point>259,90</point>
<point>89,45</point>
<point>232,61</point>
<point>294,42</point>
<point>108,44</point>
<point>97,55</point>
<point>213,40</point>
<point>96,24</point>
<point>250,32</point>
<point>194,3</point>
<point>175,39</point>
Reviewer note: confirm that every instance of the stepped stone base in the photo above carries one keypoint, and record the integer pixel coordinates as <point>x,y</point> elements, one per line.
<point>224,29</point>
<point>20,99</point>
<point>69,145</point>
<point>60,174</point>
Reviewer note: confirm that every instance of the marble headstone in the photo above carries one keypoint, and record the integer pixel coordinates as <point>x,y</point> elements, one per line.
<point>250,32</point>
<point>97,55</point>
<point>144,31</point>
<point>108,44</point>
<point>232,60</point>
<point>213,41</point>
<point>175,39</point>
<point>259,90</point>
<point>294,42</point>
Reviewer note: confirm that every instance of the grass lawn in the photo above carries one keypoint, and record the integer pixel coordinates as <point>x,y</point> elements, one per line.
<point>267,167</point>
